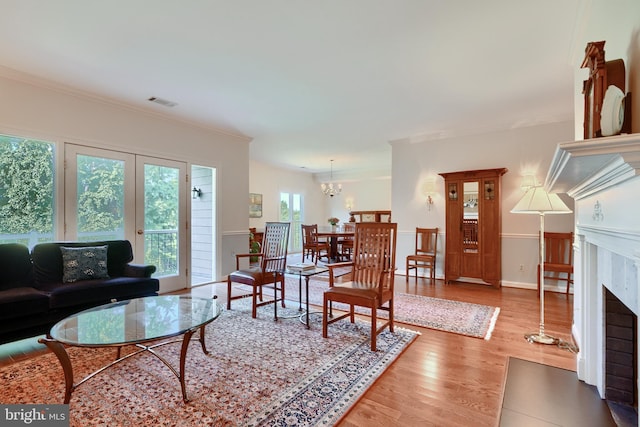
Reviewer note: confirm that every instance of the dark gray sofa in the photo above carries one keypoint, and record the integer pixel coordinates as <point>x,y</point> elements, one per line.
<point>33,295</point>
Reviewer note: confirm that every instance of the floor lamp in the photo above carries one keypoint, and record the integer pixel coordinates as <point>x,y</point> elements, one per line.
<point>537,201</point>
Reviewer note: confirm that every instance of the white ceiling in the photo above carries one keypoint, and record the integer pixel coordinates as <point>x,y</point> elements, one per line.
<point>310,81</point>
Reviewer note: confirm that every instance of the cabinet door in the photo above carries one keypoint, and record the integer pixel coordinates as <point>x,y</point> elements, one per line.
<point>453,248</point>
<point>473,226</point>
<point>491,229</point>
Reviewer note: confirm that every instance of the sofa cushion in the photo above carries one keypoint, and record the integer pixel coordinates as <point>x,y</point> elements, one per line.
<point>86,292</point>
<point>15,266</point>
<point>47,259</point>
<point>84,263</point>
<point>22,301</point>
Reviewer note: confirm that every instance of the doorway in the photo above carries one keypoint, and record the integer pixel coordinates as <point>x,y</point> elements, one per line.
<point>203,225</point>
<point>116,195</point>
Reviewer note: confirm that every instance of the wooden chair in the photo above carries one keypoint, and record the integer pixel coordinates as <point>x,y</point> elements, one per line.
<point>470,234</point>
<point>270,270</point>
<point>425,252</point>
<point>311,246</point>
<point>345,244</point>
<point>373,268</point>
<point>558,258</point>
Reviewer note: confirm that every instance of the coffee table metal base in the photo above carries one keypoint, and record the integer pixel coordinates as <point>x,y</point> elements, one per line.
<point>60,351</point>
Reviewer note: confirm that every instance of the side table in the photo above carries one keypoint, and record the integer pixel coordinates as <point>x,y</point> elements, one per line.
<point>307,275</point>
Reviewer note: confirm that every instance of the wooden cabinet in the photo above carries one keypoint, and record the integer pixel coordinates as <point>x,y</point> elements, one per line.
<point>473,247</point>
<point>370,216</point>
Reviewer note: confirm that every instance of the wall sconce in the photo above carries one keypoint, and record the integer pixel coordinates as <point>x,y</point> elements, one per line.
<point>528,181</point>
<point>196,193</point>
<point>429,189</point>
<point>348,204</point>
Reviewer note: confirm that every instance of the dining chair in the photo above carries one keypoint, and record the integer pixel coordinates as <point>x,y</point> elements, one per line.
<point>311,245</point>
<point>269,271</point>
<point>372,280</point>
<point>425,252</point>
<point>558,258</point>
<point>345,243</point>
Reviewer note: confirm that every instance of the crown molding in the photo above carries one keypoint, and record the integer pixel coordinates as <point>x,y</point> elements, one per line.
<point>32,80</point>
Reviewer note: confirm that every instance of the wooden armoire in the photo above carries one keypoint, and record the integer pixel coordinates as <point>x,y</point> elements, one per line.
<point>473,247</point>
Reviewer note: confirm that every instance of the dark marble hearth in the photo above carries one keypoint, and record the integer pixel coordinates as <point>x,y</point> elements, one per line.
<point>541,395</point>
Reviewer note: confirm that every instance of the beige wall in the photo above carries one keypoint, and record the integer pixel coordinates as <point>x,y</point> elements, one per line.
<point>33,109</point>
<point>522,151</point>
<point>364,194</point>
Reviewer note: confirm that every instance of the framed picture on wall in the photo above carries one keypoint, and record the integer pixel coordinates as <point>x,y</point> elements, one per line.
<point>255,205</point>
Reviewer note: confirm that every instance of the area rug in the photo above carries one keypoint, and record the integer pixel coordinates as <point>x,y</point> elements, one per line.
<point>259,372</point>
<point>464,318</point>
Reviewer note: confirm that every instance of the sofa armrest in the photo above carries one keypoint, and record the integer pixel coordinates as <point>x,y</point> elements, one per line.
<point>139,270</point>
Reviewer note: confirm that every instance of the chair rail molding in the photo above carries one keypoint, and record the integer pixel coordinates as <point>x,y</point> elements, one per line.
<point>582,168</point>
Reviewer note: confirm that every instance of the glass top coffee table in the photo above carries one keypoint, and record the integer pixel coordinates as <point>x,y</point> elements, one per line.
<point>140,322</point>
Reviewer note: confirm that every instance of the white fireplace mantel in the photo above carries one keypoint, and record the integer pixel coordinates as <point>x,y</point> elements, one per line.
<point>602,175</point>
<point>582,168</point>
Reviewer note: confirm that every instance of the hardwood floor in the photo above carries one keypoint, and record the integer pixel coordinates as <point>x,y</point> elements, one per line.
<point>445,379</point>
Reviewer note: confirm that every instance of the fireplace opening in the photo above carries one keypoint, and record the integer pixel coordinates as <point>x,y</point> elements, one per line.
<point>620,354</point>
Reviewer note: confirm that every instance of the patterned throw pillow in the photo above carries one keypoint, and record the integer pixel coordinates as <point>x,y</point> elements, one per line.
<point>84,263</point>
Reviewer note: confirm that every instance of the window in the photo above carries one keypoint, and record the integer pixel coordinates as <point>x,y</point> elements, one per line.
<point>27,191</point>
<point>291,211</point>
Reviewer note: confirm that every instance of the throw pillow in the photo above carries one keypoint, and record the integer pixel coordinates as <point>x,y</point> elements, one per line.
<point>84,263</point>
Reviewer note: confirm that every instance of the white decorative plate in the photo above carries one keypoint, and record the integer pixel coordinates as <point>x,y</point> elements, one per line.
<point>612,115</point>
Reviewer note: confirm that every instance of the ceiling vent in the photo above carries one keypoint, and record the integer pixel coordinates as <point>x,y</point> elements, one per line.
<point>164,102</point>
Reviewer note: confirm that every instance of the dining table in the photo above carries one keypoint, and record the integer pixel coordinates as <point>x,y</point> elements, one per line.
<point>333,237</point>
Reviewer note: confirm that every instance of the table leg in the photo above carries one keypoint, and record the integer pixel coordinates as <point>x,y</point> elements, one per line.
<point>183,358</point>
<point>306,282</point>
<point>300,292</point>
<point>201,339</point>
<point>275,295</point>
<point>334,247</point>
<point>59,350</point>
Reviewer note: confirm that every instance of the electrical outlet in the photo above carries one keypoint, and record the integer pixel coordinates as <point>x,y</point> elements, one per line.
<point>521,267</point>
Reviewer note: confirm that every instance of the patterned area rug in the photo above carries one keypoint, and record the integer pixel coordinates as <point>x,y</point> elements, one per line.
<point>474,320</point>
<point>259,372</point>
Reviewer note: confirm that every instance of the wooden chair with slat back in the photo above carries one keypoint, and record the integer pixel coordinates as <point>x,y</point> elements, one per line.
<point>345,244</point>
<point>558,258</point>
<point>270,271</point>
<point>373,271</point>
<point>311,246</point>
<point>425,252</point>
<point>470,234</point>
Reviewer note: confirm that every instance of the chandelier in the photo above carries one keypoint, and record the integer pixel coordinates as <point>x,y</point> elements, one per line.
<point>331,189</point>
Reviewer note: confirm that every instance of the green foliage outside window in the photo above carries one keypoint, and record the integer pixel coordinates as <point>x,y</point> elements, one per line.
<point>100,194</point>
<point>26,186</point>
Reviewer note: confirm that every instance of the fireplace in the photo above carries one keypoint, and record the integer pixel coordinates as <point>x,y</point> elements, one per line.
<point>621,376</point>
<point>603,177</point>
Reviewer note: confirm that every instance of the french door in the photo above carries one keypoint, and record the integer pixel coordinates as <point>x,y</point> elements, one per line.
<point>115,195</point>
<point>291,211</point>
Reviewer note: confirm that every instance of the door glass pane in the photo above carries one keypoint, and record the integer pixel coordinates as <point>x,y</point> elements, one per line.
<point>161,218</point>
<point>291,211</point>
<point>470,218</point>
<point>296,222</point>
<point>100,198</point>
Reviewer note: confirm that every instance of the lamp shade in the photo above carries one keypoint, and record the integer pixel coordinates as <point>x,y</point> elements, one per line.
<point>537,201</point>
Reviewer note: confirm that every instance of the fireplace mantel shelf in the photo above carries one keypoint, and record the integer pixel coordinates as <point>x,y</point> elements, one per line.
<point>582,168</point>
